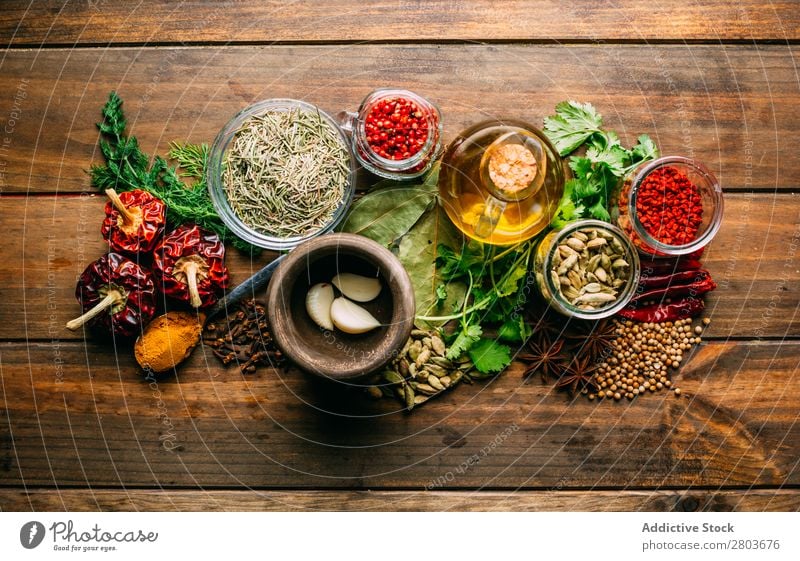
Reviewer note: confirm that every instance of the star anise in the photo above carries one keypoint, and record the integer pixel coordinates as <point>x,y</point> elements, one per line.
<point>594,339</point>
<point>545,358</point>
<point>546,327</point>
<point>579,374</point>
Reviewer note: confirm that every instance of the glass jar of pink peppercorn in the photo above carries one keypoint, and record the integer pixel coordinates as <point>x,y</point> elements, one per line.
<point>396,133</point>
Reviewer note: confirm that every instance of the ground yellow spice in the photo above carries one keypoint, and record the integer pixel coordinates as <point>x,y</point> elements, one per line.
<point>168,340</point>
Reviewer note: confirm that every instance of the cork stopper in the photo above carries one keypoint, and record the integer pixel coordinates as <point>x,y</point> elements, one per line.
<point>512,168</point>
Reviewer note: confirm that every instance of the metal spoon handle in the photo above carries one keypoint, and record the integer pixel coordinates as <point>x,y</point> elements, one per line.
<point>248,288</point>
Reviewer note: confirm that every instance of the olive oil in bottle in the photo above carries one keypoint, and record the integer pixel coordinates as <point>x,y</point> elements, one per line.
<point>501,181</point>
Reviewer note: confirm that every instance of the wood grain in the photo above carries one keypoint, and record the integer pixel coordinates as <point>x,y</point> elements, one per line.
<point>81,430</point>
<point>88,500</point>
<point>732,107</point>
<point>159,21</point>
<point>50,240</point>
<point>90,420</point>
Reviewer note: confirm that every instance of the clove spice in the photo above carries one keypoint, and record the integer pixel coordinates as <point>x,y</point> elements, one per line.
<point>243,338</point>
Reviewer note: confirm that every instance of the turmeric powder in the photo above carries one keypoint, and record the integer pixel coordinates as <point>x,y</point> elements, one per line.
<point>168,340</point>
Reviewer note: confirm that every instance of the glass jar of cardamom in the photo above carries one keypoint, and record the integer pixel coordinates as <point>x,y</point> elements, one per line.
<point>588,269</point>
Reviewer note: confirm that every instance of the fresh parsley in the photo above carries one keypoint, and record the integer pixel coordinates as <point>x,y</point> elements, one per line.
<point>572,125</point>
<point>489,357</point>
<point>466,337</point>
<point>595,174</point>
<point>494,297</point>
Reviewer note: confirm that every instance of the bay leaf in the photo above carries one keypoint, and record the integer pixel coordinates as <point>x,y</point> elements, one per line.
<point>418,251</point>
<point>388,214</point>
<point>430,181</point>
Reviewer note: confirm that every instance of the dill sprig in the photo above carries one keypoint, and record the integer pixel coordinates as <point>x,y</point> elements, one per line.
<point>128,168</point>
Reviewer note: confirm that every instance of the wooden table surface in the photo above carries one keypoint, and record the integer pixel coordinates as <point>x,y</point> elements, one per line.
<point>81,430</point>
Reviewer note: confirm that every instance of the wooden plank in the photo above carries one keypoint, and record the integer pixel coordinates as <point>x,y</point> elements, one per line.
<point>93,500</point>
<point>50,240</point>
<point>732,107</point>
<point>71,23</point>
<point>92,421</point>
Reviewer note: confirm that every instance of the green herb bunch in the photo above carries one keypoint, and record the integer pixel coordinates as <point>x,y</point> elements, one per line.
<point>595,174</point>
<point>493,301</point>
<point>128,168</point>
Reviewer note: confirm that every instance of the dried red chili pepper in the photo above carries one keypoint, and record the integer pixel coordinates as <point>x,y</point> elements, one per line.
<point>669,206</point>
<point>669,266</point>
<point>674,279</point>
<point>116,294</point>
<point>698,287</point>
<point>189,265</point>
<point>657,313</point>
<point>134,221</point>
<point>697,254</point>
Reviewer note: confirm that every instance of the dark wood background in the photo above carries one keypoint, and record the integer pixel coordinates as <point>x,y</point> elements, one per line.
<point>81,430</point>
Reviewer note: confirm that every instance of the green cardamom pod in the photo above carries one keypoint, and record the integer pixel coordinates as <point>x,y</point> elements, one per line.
<point>409,396</point>
<point>434,382</point>
<point>392,377</point>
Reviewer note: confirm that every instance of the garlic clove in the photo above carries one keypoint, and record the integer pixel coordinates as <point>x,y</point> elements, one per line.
<point>318,304</point>
<point>356,287</point>
<point>352,318</point>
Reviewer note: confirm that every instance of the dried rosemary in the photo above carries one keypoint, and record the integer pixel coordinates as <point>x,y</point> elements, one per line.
<point>286,173</point>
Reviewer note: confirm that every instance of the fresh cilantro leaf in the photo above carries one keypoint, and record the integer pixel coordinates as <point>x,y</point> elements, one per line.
<point>482,299</point>
<point>465,339</point>
<point>441,293</point>
<point>454,266</point>
<point>597,172</point>
<point>565,213</point>
<point>572,125</point>
<point>611,139</point>
<point>566,208</point>
<point>582,115</point>
<point>645,150</point>
<point>606,180</point>
<point>599,211</point>
<point>581,167</point>
<point>584,189</point>
<point>568,188</point>
<point>448,261</point>
<point>514,330</point>
<point>615,157</point>
<point>603,140</point>
<point>511,283</point>
<point>489,356</point>
<point>473,257</point>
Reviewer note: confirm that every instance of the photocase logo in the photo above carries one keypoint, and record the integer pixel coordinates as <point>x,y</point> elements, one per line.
<point>31,534</point>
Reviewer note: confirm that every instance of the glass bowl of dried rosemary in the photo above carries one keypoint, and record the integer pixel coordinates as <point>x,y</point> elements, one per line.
<point>281,172</point>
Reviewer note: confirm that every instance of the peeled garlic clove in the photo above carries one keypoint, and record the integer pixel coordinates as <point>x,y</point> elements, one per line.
<point>356,287</point>
<point>318,304</point>
<point>352,318</point>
